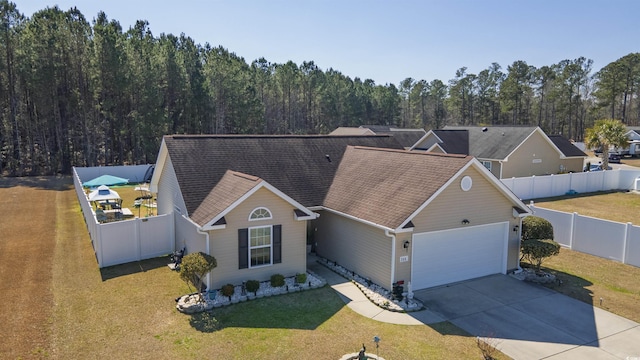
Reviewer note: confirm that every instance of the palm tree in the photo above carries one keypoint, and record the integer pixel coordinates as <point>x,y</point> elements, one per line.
<point>606,133</point>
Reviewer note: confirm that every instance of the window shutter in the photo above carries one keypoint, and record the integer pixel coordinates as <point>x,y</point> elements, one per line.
<point>277,244</point>
<point>243,248</point>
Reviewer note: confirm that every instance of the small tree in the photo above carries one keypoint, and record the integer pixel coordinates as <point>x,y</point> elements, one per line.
<point>537,241</point>
<point>194,268</point>
<point>606,133</point>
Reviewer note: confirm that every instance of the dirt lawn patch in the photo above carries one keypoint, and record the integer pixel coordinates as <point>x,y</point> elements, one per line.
<point>27,242</point>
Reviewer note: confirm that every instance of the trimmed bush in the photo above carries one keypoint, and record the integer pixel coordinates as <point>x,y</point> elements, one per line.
<point>301,278</point>
<point>536,228</point>
<point>277,280</point>
<point>228,290</point>
<point>535,251</point>
<point>253,286</point>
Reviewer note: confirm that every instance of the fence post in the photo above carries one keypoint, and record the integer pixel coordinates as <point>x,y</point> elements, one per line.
<point>138,241</point>
<point>625,244</point>
<point>572,229</point>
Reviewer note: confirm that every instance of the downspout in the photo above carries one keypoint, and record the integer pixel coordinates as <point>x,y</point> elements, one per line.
<point>206,234</point>
<point>393,255</point>
<point>519,242</point>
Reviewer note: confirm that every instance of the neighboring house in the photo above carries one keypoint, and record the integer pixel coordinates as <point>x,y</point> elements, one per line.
<point>406,137</point>
<point>633,133</point>
<point>507,151</point>
<point>256,202</point>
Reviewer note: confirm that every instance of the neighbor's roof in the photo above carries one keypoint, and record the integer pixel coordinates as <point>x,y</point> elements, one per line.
<point>566,147</point>
<point>385,186</point>
<point>494,142</point>
<point>343,130</point>
<point>302,167</point>
<point>454,141</point>
<point>406,137</point>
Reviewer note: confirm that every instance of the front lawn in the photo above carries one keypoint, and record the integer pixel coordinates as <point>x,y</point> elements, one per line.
<point>61,305</point>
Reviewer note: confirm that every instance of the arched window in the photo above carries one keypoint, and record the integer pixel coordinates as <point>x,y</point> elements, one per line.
<point>260,213</point>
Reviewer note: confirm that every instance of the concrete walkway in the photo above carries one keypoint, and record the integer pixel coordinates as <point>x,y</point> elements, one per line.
<point>356,301</point>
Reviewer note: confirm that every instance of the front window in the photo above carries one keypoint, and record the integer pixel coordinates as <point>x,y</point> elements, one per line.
<point>487,164</point>
<point>260,245</point>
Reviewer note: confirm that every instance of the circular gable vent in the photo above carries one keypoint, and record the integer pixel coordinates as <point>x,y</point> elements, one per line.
<point>466,183</point>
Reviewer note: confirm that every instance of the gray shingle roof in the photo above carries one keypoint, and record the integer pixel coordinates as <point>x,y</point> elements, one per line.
<point>406,137</point>
<point>494,142</point>
<point>567,148</point>
<point>454,141</point>
<point>386,186</point>
<point>302,167</point>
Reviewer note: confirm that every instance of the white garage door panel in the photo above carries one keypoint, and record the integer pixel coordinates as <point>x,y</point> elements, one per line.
<point>443,257</point>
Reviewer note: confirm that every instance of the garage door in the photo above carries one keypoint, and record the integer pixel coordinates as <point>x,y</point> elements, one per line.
<point>442,257</point>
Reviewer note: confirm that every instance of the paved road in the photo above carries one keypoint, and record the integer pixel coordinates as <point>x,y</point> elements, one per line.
<point>532,322</point>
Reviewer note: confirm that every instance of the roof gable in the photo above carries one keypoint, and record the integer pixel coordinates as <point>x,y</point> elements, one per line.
<point>302,167</point>
<point>494,142</point>
<point>230,191</point>
<point>384,187</point>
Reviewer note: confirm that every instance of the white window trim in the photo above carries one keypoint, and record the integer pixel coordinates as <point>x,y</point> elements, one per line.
<point>484,163</point>
<point>262,218</point>
<point>270,246</point>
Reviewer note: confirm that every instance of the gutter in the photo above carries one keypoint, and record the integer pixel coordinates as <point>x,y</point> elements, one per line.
<point>206,234</point>
<point>393,255</point>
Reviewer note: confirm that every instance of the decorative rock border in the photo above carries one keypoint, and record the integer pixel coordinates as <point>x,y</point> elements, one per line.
<point>188,304</point>
<point>375,293</point>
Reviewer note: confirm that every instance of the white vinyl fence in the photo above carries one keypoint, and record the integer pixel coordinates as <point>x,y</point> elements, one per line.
<point>127,240</point>
<point>536,187</point>
<point>608,239</point>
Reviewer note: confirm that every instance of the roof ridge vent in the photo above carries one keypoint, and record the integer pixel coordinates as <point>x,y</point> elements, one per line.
<point>484,129</point>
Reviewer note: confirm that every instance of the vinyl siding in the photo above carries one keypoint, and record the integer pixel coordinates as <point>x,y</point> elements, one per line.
<point>224,243</point>
<point>427,142</point>
<point>520,162</point>
<point>187,236</point>
<point>361,248</point>
<point>169,194</point>
<point>482,204</point>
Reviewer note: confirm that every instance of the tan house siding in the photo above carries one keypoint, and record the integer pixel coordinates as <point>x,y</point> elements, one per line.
<point>573,164</point>
<point>427,142</point>
<point>535,156</point>
<point>169,194</point>
<point>482,204</point>
<point>403,269</point>
<point>187,235</point>
<point>365,248</point>
<point>224,243</point>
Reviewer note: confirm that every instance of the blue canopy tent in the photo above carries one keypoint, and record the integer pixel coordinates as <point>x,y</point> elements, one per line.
<point>108,180</point>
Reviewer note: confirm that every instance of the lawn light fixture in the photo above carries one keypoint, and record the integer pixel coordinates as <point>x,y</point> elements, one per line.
<point>465,222</point>
<point>405,244</point>
<point>376,339</point>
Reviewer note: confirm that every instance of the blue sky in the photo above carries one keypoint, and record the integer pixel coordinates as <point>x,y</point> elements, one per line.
<point>388,41</point>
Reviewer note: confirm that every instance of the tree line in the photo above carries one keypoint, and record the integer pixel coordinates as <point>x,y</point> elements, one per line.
<point>80,93</point>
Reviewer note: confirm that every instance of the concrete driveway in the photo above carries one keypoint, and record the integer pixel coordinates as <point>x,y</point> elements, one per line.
<point>532,322</point>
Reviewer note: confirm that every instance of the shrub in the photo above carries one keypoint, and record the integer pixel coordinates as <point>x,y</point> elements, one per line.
<point>301,278</point>
<point>228,290</point>
<point>277,280</point>
<point>535,251</point>
<point>253,286</point>
<point>536,228</point>
<point>194,267</point>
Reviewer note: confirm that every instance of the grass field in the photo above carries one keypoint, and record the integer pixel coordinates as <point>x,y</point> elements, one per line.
<point>615,206</point>
<point>60,305</point>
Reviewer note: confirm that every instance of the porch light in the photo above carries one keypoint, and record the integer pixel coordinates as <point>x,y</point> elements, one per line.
<point>405,244</point>
<point>515,228</point>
